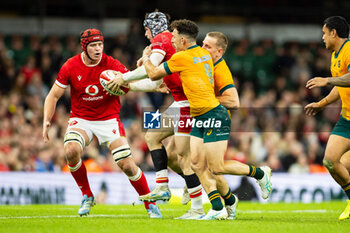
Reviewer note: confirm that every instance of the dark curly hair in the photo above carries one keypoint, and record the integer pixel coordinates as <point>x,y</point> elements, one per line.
<point>339,24</point>
<point>185,27</point>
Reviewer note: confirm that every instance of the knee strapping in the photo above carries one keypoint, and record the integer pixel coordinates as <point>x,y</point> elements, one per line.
<point>121,152</point>
<point>74,136</point>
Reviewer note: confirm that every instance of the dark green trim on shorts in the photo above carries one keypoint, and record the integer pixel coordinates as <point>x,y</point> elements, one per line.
<point>166,67</point>
<point>218,127</point>
<point>342,128</point>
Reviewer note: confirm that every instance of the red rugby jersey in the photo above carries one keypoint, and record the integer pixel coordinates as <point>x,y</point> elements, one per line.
<point>88,100</point>
<point>162,43</point>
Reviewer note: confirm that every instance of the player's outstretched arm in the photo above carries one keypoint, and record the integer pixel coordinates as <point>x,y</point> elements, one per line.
<point>148,85</point>
<point>313,108</point>
<point>49,108</point>
<point>317,82</point>
<point>342,81</point>
<point>138,74</point>
<point>154,72</point>
<point>120,79</point>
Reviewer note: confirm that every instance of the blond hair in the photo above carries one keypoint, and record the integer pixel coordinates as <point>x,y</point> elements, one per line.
<point>221,39</point>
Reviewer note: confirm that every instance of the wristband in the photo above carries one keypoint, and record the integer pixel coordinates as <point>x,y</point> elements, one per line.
<point>323,103</point>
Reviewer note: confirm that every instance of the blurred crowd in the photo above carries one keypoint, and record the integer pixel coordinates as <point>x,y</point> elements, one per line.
<point>270,127</point>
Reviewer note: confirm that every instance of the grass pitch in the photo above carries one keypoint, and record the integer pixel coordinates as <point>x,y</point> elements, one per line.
<point>251,217</point>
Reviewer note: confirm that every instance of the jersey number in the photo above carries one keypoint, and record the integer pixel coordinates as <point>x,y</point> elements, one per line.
<point>209,73</point>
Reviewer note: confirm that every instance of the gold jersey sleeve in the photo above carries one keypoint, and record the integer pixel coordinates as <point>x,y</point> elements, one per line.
<point>340,65</point>
<point>222,77</point>
<point>195,67</point>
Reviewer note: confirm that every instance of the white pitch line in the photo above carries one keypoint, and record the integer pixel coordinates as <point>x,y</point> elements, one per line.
<point>73,216</point>
<point>284,211</point>
<point>134,215</point>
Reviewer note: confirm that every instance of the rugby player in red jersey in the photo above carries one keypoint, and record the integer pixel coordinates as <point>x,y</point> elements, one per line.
<point>93,112</point>
<point>156,30</point>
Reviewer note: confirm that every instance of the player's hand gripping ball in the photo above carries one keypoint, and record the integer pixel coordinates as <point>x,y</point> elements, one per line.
<point>105,77</point>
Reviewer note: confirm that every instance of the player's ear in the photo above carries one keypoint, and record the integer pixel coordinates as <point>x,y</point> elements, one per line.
<point>333,32</point>
<point>183,40</point>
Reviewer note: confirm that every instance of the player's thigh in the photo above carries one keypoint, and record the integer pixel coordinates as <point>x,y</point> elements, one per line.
<point>171,152</point>
<point>155,138</point>
<point>112,133</point>
<point>182,145</point>
<point>170,148</point>
<point>75,141</point>
<point>78,133</point>
<point>198,159</point>
<point>215,152</point>
<point>183,119</point>
<point>173,161</point>
<point>82,133</point>
<point>109,131</point>
<point>337,146</point>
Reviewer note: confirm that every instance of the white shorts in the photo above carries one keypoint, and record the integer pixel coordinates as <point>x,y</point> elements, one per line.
<point>180,111</point>
<point>106,131</point>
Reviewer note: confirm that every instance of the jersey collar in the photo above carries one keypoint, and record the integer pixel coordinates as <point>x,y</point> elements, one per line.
<point>192,47</point>
<point>82,59</point>
<point>218,61</point>
<point>336,54</point>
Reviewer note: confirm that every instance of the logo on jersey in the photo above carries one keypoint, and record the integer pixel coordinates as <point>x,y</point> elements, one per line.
<point>73,123</point>
<point>151,120</point>
<point>79,77</point>
<point>157,44</point>
<point>114,131</point>
<point>91,90</point>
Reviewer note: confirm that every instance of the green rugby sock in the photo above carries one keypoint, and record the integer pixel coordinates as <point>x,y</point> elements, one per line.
<point>257,173</point>
<point>215,200</point>
<point>346,189</point>
<point>229,198</point>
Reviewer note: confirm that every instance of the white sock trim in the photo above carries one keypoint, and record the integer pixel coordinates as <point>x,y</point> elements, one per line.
<point>162,173</point>
<point>137,176</point>
<point>161,177</point>
<point>195,190</point>
<point>76,167</point>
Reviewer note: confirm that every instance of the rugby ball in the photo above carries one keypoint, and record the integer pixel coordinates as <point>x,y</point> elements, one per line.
<point>107,75</point>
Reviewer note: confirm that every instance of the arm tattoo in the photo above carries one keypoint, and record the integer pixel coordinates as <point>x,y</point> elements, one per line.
<point>342,81</point>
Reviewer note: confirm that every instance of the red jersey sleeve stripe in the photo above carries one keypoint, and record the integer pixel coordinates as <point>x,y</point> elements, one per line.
<point>159,51</point>
<point>61,85</point>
